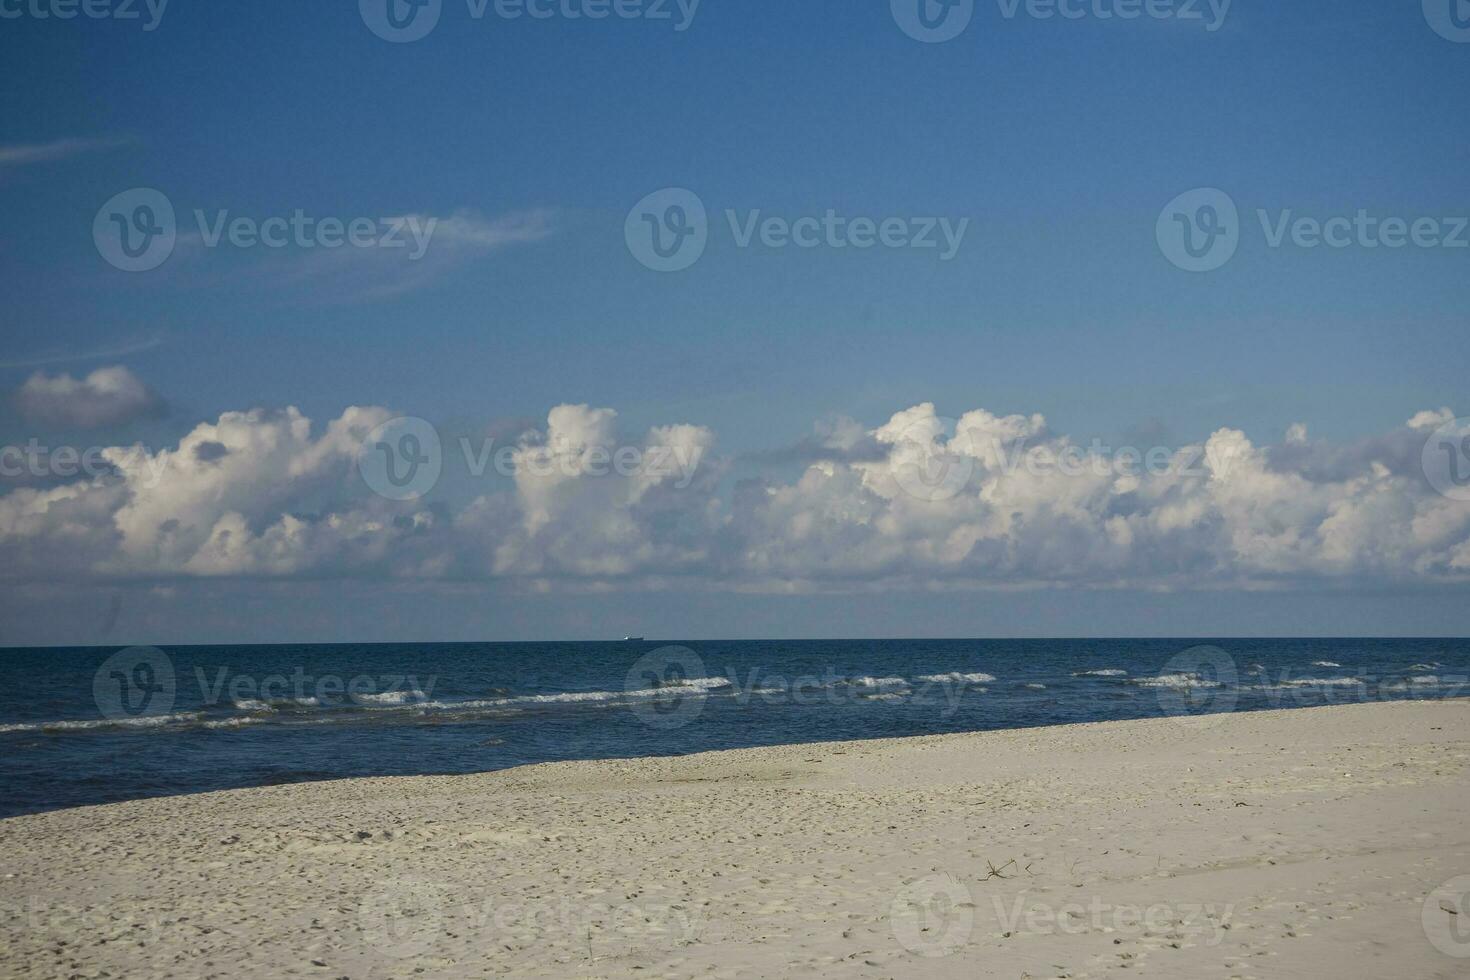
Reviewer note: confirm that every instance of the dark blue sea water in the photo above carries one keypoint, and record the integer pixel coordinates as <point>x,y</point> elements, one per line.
<point>82,726</point>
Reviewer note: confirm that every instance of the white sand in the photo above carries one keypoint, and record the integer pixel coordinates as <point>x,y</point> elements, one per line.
<point>1284,844</point>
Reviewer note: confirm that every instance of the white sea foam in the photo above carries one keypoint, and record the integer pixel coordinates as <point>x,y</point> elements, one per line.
<point>701,683</point>
<point>392,697</point>
<point>877,682</point>
<point>1325,663</point>
<point>251,704</point>
<point>1424,679</point>
<point>1175,680</point>
<point>1322,682</point>
<point>684,688</point>
<point>146,721</point>
<point>1037,687</point>
<point>239,722</point>
<point>956,678</point>
<point>1426,666</point>
<point>1110,672</point>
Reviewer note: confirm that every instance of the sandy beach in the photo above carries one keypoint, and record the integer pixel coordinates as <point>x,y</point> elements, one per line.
<point>1308,843</point>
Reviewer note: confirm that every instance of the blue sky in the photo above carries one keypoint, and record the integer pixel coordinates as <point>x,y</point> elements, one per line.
<point>1059,140</point>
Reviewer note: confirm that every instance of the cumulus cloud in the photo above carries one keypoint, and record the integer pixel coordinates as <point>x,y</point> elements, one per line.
<point>980,502</point>
<point>107,396</point>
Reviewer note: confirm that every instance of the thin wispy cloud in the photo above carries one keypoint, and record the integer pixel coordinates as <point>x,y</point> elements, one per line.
<point>17,155</point>
<point>66,355</point>
<point>413,252</point>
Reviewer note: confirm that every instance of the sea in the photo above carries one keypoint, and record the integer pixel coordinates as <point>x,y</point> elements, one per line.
<point>82,726</point>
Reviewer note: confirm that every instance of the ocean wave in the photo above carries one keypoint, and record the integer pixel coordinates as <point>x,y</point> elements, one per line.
<point>1109,672</point>
<point>237,722</point>
<point>956,678</point>
<point>1432,666</point>
<point>1322,682</point>
<point>385,706</point>
<point>392,697</point>
<point>273,704</point>
<point>703,683</point>
<point>1325,663</point>
<point>91,724</point>
<point>251,704</point>
<point>876,682</point>
<point>1037,687</point>
<point>684,688</point>
<point>1175,680</point>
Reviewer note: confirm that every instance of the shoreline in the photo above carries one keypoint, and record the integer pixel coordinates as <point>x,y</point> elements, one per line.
<point>1293,842</point>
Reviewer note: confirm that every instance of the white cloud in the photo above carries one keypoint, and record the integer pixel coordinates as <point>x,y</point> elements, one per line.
<point>107,396</point>
<point>267,494</point>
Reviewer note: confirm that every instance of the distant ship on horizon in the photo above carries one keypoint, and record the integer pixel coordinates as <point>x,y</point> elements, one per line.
<point>632,639</point>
